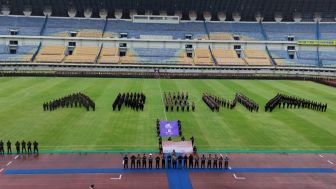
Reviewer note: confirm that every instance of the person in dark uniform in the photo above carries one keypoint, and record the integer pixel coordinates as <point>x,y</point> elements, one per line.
<point>125,162</point>
<point>150,161</point>
<point>220,161</point>
<point>157,162</point>
<point>203,161</point>
<point>17,145</point>
<point>226,162</point>
<point>9,147</point>
<point>180,158</point>
<point>2,152</point>
<point>163,162</point>
<point>185,159</point>
<point>133,158</point>
<point>196,161</point>
<point>169,157</point>
<point>191,161</point>
<point>138,160</point>
<point>174,161</point>
<point>209,161</point>
<point>29,144</point>
<point>35,144</point>
<point>23,147</point>
<point>215,160</point>
<point>144,161</point>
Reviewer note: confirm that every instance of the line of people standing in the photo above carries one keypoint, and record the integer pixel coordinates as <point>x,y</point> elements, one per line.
<point>21,147</point>
<point>173,161</point>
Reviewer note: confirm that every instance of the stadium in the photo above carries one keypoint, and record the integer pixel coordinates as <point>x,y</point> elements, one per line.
<point>167,94</point>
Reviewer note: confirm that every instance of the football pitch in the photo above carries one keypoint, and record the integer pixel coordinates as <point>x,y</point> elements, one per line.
<point>22,116</point>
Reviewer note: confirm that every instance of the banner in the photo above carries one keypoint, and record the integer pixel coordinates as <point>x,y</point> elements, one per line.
<point>179,147</point>
<point>317,42</point>
<point>169,128</point>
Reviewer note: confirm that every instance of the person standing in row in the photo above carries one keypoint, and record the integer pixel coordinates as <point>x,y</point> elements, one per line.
<point>133,161</point>
<point>29,144</point>
<point>163,162</point>
<point>125,162</point>
<point>138,160</point>
<point>9,147</point>
<point>226,162</point>
<point>157,162</point>
<point>150,161</point>
<point>17,145</point>
<point>35,144</point>
<point>203,161</point>
<point>23,147</point>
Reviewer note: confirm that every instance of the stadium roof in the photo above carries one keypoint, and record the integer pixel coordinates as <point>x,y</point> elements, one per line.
<point>247,8</point>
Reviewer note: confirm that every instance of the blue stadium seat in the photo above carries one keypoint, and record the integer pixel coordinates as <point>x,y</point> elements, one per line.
<point>57,26</point>
<point>30,26</point>
<point>135,30</point>
<point>280,31</point>
<point>23,54</point>
<point>327,31</point>
<point>156,55</point>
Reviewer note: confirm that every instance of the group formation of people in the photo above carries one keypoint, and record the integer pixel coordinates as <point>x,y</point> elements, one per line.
<point>177,161</point>
<point>214,102</point>
<point>286,101</point>
<point>21,147</point>
<point>73,100</point>
<point>136,101</point>
<point>247,102</point>
<point>158,127</point>
<point>177,101</point>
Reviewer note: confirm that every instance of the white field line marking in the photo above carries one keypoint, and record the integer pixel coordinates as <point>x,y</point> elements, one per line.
<point>118,178</point>
<point>9,163</point>
<point>1,170</point>
<point>321,156</point>
<point>330,162</point>
<point>238,178</point>
<point>16,156</point>
<point>164,110</point>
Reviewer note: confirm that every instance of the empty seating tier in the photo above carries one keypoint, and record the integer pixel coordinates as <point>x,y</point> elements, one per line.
<point>84,27</point>
<point>51,54</point>
<point>109,55</point>
<point>22,53</point>
<point>83,55</point>
<point>154,56</point>
<point>227,57</point>
<point>203,57</point>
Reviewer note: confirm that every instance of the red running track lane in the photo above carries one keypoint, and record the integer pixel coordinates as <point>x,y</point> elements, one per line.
<point>159,180</point>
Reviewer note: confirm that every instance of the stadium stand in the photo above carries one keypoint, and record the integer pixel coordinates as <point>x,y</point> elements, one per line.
<point>109,55</point>
<point>84,27</point>
<point>203,57</point>
<point>83,55</point>
<point>22,53</point>
<point>281,31</point>
<point>227,57</point>
<point>256,57</point>
<point>155,56</point>
<point>225,31</point>
<point>328,58</point>
<point>327,31</point>
<point>30,26</point>
<point>301,58</point>
<point>51,54</point>
<point>136,30</point>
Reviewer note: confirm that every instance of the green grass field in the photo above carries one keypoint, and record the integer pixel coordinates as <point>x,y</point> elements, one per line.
<point>22,117</point>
